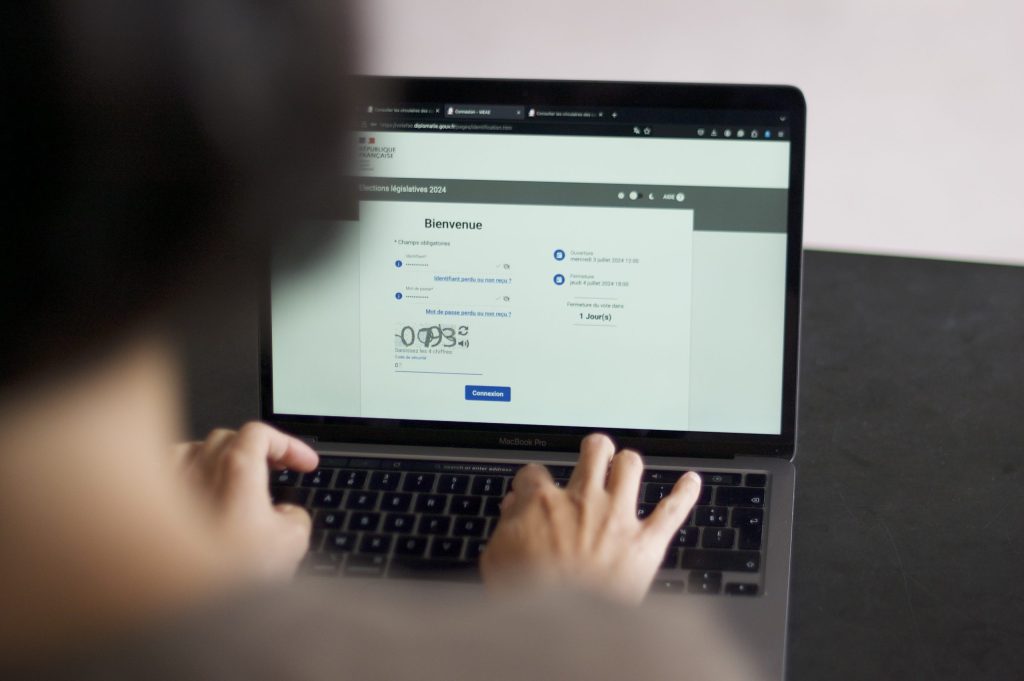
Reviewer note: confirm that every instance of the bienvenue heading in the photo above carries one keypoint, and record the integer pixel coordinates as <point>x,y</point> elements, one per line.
<point>447,224</point>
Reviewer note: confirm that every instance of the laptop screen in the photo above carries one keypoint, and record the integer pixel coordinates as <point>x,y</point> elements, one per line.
<point>547,264</point>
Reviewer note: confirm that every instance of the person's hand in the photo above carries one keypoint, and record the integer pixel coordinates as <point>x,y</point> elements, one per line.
<point>230,469</point>
<point>588,534</point>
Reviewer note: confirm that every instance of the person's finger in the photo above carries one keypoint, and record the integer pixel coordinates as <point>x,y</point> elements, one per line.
<point>183,453</point>
<point>529,477</point>
<point>671,511</point>
<point>562,518</point>
<point>242,472</point>
<point>596,450</point>
<point>295,518</point>
<point>508,501</point>
<point>210,447</point>
<point>267,445</point>
<point>624,480</point>
<point>528,480</point>
<point>217,438</point>
<point>205,460</point>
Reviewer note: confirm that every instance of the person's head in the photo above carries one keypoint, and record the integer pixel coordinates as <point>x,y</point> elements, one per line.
<point>151,151</point>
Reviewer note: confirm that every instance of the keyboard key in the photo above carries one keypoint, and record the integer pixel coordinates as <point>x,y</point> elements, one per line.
<point>720,538</point>
<point>316,538</point>
<point>492,507</point>
<point>350,479</point>
<point>465,505</point>
<point>419,482</point>
<point>475,547</point>
<point>361,501</point>
<point>669,586</point>
<point>396,501</point>
<point>741,589</point>
<point>489,485</point>
<point>644,510</point>
<point>384,481</point>
<point>686,537</point>
<point>453,484</point>
<point>705,495</point>
<point>322,565</point>
<point>740,496</point>
<point>446,547</point>
<point>340,542</point>
<point>721,478</point>
<point>663,477</point>
<point>364,522</point>
<point>328,520</point>
<point>671,560</point>
<point>369,565</point>
<point>709,559</point>
<point>447,570</point>
<point>705,582</point>
<point>431,503</point>
<point>399,522</point>
<point>561,483</point>
<point>469,527</point>
<point>655,493</point>
<point>375,543</point>
<point>750,538</point>
<point>434,524</point>
<point>711,516</point>
<point>285,478</point>
<point>757,480</point>
<point>564,472</point>
<point>411,546</point>
<point>747,517</point>
<point>327,498</point>
<point>289,495</point>
<point>321,477</point>
<point>755,497</point>
<point>750,522</point>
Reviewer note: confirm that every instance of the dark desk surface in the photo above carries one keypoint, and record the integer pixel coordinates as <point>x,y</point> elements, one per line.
<point>908,559</point>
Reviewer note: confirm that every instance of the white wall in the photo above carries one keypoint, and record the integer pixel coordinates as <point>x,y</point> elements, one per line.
<point>916,107</point>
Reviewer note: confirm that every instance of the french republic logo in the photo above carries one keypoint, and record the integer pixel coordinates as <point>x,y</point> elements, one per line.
<point>370,151</point>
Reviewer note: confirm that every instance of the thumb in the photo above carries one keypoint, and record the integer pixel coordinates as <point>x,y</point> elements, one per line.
<point>294,526</point>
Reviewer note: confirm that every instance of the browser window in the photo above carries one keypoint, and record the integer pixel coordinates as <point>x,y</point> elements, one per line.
<point>543,266</point>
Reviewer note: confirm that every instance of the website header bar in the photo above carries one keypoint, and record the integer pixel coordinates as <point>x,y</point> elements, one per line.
<point>576,159</point>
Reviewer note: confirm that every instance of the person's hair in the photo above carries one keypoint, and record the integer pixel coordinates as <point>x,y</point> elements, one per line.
<point>148,146</point>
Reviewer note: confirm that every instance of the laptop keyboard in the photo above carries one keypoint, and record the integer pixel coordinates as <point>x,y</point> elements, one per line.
<point>405,518</point>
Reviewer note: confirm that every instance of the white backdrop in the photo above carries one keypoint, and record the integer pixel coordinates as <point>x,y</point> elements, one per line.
<point>915,107</point>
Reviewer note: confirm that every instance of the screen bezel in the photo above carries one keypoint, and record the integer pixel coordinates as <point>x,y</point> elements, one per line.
<point>710,97</point>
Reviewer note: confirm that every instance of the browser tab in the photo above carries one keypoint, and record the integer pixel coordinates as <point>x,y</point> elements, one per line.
<point>494,112</point>
<point>402,110</point>
<point>562,113</point>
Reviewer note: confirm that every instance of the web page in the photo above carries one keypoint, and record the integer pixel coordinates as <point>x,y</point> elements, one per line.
<point>545,280</point>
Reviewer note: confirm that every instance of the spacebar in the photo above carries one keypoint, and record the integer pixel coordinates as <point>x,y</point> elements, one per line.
<point>447,570</point>
<point>737,561</point>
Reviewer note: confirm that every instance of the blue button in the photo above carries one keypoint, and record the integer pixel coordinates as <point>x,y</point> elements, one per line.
<point>489,393</point>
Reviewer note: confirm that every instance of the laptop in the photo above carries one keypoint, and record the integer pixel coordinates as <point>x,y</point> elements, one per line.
<point>533,261</point>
